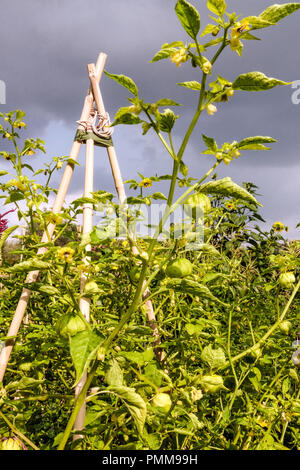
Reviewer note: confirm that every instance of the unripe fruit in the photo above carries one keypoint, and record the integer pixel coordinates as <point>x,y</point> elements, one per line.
<point>91,288</point>
<point>285,326</point>
<point>11,443</point>
<point>196,202</point>
<point>179,267</point>
<point>162,401</point>
<point>69,325</point>
<point>287,279</point>
<point>212,383</point>
<point>134,274</point>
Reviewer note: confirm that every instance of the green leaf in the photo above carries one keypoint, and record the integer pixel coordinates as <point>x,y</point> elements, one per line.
<point>210,142</point>
<point>3,172</point>
<point>257,22</point>
<point>114,375</point>
<point>189,17</point>
<point>191,287</point>
<point>139,357</point>
<point>166,120</point>
<point>276,12</point>
<point>167,102</point>
<point>23,384</point>
<point>158,195</point>
<point>127,118</point>
<point>29,265</point>
<point>255,140</point>
<point>215,358</point>
<point>14,196</point>
<point>134,403</point>
<point>209,28</point>
<point>217,6</point>
<point>83,349</point>
<point>163,54</point>
<point>256,81</point>
<point>193,85</point>
<point>124,81</point>
<point>226,187</point>
<point>6,234</point>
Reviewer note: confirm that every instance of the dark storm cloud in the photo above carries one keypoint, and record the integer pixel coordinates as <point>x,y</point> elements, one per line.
<point>47,44</point>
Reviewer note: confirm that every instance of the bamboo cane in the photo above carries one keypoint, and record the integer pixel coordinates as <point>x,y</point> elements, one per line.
<point>84,303</point>
<point>119,185</point>
<point>58,203</point>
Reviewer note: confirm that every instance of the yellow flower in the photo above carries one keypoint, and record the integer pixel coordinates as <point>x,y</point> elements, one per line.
<point>278,226</point>
<point>211,109</point>
<point>59,164</point>
<point>66,254</point>
<point>229,206</point>
<point>30,152</point>
<point>179,57</point>
<point>16,183</point>
<point>206,66</point>
<point>240,28</point>
<point>145,183</point>
<point>55,219</point>
<point>235,43</point>
<point>19,124</point>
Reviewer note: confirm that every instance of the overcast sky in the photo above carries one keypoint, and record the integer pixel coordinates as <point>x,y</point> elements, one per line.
<point>47,44</point>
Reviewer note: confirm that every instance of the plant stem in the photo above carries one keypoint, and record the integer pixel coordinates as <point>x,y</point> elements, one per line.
<point>17,432</point>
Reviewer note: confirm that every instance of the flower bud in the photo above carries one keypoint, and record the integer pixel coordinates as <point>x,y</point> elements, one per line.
<point>211,109</point>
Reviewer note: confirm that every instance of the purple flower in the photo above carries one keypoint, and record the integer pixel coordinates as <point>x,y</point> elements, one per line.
<point>3,222</point>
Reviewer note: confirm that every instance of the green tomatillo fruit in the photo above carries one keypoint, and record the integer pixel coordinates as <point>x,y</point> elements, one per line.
<point>162,401</point>
<point>69,325</point>
<point>287,279</point>
<point>197,205</point>
<point>212,383</point>
<point>285,326</point>
<point>179,267</point>
<point>11,443</point>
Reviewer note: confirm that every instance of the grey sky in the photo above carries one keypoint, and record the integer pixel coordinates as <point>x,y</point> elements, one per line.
<point>47,44</point>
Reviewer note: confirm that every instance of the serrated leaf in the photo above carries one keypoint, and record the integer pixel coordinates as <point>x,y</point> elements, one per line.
<point>83,349</point>
<point>226,187</point>
<point>257,22</point>
<point>114,375</point>
<point>29,265</point>
<point>210,142</point>
<point>192,85</point>
<point>217,6</point>
<point>126,82</point>
<point>189,17</point>
<point>134,403</point>
<point>191,287</point>
<point>127,118</point>
<point>139,357</point>
<point>275,13</point>
<point>256,81</point>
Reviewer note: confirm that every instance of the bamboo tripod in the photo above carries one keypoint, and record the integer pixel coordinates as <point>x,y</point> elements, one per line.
<point>93,98</point>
